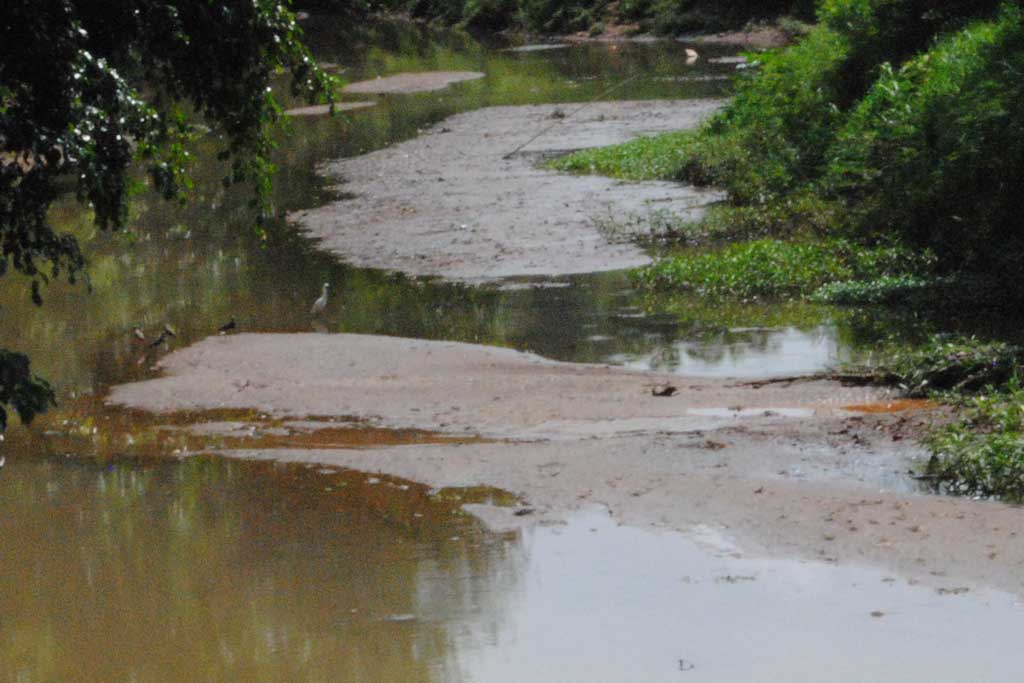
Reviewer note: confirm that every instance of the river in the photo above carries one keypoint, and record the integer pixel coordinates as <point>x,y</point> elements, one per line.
<point>131,553</point>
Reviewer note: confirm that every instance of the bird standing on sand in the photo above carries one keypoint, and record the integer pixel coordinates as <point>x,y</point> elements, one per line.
<point>321,303</point>
<point>228,326</point>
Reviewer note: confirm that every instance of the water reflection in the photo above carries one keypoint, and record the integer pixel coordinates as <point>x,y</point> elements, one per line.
<point>746,353</point>
<point>210,569</point>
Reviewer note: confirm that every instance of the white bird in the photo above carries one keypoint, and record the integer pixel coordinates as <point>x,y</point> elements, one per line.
<point>320,304</point>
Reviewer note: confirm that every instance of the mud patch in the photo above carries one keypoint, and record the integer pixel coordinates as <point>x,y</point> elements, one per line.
<point>408,83</point>
<point>453,203</point>
<point>897,406</point>
<point>90,429</point>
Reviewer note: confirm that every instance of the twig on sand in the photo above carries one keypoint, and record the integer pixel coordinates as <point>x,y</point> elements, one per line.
<point>564,116</point>
<point>848,378</point>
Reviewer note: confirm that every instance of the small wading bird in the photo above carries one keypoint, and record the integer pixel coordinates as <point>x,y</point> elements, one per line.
<point>165,334</point>
<point>321,303</point>
<point>228,326</point>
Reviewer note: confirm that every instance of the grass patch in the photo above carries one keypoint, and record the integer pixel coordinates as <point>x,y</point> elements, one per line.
<point>659,157</point>
<point>772,268</point>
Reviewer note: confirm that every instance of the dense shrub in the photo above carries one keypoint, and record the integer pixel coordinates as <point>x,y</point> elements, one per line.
<point>982,451</point>
<point>935,151</point>
<point>897,118</point>
<point>773,135</point>
<point>489,15</point>
<point>889,32</point>
<point>771,138</point>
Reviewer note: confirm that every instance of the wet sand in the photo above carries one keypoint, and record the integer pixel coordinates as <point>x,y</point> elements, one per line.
<point>408,83</point>
<point>453,203</point>
<point>323,109</point>
<point>784,470</point>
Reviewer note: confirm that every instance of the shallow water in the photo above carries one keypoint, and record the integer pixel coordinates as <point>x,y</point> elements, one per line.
<point>600,602</point>
<point>123,565</point>
<point>211,569</point>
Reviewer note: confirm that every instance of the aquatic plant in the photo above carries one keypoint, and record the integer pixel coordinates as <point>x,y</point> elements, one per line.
<point>983,452</point>
<point>888,289</point>
<point>775,268</point>
<point>950,364</point>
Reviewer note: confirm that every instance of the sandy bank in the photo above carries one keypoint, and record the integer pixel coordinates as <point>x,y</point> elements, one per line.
<point>409,83</point>
<point>452,203</point>
<point>454,387</point>
<point>783,469</point>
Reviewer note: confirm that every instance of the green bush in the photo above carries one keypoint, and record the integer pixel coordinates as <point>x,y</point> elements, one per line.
<point>668,17</point>
<point>488,15</point>
<point>769,139</point>
<point>982,451</point>
<point>892,118</point>
<point>935,150</point>
<point>681,16</point>
<point>890,32</point>
<point>772,136</point>
<point>797,215</point>
<point>556,16</point>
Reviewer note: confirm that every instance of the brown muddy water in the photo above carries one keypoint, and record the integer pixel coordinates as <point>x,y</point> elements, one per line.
<point>129,555</point>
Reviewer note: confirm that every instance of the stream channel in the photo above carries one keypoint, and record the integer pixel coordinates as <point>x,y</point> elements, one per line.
<point>123,560</point>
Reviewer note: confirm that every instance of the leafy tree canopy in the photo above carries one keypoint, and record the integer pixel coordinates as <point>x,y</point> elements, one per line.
<point>89,86</point>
